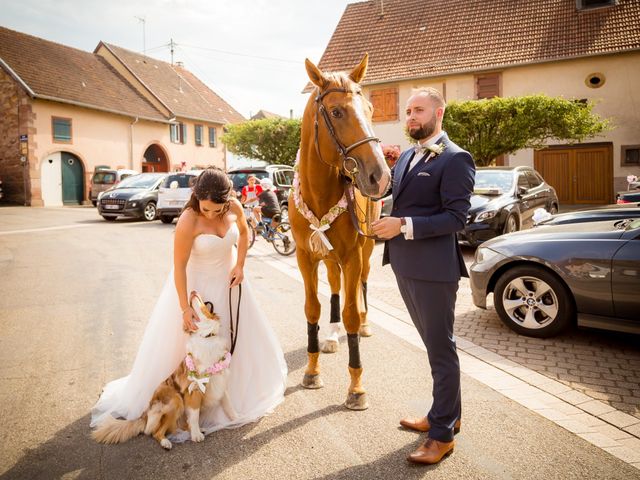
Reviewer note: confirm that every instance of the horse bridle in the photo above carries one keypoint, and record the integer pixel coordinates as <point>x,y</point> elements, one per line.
<point>346,171</point>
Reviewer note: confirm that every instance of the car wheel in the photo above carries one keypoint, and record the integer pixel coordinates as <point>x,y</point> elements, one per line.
<point>510,224</point>
<point>166,218</point>
<point>109,218</point>
<point>534,302</point>
<point>94,203</point>
<point>150,211</point>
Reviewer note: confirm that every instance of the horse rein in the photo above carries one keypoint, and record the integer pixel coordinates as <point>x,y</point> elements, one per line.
<point>351,208</point>
<point>347,172</point>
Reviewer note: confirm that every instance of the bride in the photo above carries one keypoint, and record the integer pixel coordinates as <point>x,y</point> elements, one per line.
<point>206,260</point>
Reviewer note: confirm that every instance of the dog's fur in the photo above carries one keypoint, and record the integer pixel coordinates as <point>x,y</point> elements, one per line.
<point>172,404</point>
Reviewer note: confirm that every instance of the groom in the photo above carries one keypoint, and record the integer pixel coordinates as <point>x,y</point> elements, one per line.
<point>432,184</point>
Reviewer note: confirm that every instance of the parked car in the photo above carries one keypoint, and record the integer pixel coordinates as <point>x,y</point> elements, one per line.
<point>281,176</point>
<point>606,212</point>
<point>630,196</point>
<point>174,193</point>
<point>135,196</point>
<point>503,201</point>
<point>545,279</point>
<point>103,179</point>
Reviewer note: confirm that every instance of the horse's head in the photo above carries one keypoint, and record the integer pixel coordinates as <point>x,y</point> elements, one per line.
<point>343,135</point>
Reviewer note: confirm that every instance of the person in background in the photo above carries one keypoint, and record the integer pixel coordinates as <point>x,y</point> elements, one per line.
<point>268,204</point>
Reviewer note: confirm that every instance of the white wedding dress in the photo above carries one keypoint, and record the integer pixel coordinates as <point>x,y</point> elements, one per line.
<point>258,369</point>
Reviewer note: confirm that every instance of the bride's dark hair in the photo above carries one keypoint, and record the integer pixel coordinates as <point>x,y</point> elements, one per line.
<point>212,184</point>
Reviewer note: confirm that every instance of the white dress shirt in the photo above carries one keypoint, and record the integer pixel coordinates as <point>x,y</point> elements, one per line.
<point>408,235</point>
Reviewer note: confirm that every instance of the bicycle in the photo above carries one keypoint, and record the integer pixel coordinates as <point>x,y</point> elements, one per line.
<point>280,237</point>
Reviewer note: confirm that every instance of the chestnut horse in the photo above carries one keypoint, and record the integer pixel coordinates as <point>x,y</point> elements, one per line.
<point>337,150</point>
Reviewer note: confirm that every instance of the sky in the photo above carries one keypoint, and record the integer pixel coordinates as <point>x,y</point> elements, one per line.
<point>250,52</point>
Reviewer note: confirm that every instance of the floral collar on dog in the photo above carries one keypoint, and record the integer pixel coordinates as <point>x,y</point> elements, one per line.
<point>200,380</point>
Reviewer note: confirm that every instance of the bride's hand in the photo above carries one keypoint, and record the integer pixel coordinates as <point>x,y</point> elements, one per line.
<point>236,276</point>
<point>189,320</point>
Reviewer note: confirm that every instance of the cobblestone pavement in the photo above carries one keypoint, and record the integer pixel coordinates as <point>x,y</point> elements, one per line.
<point>603,365</point>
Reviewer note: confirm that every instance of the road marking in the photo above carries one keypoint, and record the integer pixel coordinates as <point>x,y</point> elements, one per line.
<point>553,400</point>
<point>44,229</point>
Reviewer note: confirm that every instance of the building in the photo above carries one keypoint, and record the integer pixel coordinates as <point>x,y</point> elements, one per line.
<point>471,49</point>
<point>262,114</point>
<point>65,112</point>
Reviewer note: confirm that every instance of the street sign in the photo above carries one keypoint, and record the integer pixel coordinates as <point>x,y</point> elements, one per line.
<point>23,138</point>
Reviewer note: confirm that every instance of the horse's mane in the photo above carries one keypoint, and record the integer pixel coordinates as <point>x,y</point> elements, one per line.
<point>340,80</point>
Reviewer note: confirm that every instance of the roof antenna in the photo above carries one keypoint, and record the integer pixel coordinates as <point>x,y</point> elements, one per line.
<point>144,35</point>
<point>381,8</point>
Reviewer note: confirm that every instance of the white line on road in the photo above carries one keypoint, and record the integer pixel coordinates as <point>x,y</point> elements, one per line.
<point>553,400</point>
<point>45,229</point>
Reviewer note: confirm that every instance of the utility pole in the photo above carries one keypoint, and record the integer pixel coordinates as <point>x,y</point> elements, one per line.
<point>144,35</point>
<point>171,44</point>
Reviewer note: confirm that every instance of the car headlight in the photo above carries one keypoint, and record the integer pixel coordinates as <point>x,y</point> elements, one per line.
<point>484,254</point>
<point>137,196</point>
<point>486,215</point>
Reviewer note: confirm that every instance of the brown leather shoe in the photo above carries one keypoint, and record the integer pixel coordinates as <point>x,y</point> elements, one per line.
<point>432,451</point>
<point>421,424</point>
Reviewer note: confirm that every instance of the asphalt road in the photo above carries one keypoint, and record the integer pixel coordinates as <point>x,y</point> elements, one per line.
<point>74,305</point>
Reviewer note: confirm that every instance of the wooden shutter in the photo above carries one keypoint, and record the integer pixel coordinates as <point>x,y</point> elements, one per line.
<point>385,104</point>
<point>487,86</point>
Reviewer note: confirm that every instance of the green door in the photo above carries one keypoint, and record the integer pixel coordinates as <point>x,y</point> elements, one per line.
<point>72,180</point>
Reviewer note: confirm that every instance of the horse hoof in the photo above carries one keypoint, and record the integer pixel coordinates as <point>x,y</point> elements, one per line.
<point>330,346</point>
<point>365,331</point>
<point>357,401</point>
<point>312,381</point>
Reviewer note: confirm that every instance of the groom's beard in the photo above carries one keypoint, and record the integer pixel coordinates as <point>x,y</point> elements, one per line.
<point>424,131</point>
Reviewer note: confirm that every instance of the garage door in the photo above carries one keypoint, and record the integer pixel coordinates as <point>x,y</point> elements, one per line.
<point>581,175</point>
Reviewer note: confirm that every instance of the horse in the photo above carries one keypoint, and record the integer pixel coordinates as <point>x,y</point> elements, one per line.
<point>338,151</point>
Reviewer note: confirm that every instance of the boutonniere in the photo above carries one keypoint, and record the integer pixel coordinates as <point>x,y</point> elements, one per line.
<point>436,149</point>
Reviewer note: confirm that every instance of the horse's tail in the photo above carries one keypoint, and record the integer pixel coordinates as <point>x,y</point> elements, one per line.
<point>115,430</point>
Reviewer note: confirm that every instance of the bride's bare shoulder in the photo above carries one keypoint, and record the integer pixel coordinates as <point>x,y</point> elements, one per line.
<point>187,221</point>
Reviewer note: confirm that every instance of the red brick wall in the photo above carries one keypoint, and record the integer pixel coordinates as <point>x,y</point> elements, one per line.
<point>16,118</point>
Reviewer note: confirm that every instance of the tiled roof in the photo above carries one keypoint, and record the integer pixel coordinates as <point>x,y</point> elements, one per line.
<point>184,94</point>
<point>264,114</point>
<point>423,38</point>
<point>59,72</point>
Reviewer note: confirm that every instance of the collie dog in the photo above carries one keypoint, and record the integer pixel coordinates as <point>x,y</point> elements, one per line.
<point>200,381</point>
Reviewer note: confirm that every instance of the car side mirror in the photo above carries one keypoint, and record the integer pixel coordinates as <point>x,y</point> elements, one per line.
<point>522,191</point>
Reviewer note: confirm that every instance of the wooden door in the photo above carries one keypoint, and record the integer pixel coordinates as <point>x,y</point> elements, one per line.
<point>581,175</point>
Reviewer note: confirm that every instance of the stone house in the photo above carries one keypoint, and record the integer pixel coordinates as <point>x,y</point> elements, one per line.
<point>64,112</point>
<point>578,49</point>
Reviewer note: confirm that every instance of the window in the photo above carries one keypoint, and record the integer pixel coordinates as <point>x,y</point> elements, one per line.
<point>284,178</point>
<point>487,86</point>
<point>590,4</point>
<point>522,181</point>
<point>178,132</point>
<point>385,104</point>
<point>534,180</point>
<point>630,156</point>
<point>212,136</point>
<point>61,128</point>
<point>198,134</point>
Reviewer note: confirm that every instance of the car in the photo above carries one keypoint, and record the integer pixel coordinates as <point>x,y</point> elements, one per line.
<point>503,201</point>
<point>605,212</point>
<point>630,196</point>
<point>281,176</point>
<point>135,196</point>
<point>174,193</point>
<point>546,279</point>
<point>105,178</point>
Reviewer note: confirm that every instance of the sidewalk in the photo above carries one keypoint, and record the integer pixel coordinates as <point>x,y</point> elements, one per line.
<point>529,371</point>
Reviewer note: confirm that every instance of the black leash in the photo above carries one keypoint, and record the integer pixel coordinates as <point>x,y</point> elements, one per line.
<point>234,338</point>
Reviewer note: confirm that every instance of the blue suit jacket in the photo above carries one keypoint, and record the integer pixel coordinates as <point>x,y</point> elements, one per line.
<point>436,196</point>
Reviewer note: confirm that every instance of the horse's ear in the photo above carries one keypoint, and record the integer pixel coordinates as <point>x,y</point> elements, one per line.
<point>315,75</point>
<point>360,71</point>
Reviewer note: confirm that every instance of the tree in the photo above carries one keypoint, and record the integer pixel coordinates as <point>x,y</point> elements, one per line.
<point>274,140</point>
<point>491,127</point>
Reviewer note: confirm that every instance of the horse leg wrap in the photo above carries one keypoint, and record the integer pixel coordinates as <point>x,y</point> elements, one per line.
<point>353,340</point>
<point>335,308</point>
<point>313,345</point>
<point>364,296</point>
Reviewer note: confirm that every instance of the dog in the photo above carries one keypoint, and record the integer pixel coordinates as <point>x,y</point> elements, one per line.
<point>200,381</point>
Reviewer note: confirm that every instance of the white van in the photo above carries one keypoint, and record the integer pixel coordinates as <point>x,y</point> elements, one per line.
<point>174,193</point>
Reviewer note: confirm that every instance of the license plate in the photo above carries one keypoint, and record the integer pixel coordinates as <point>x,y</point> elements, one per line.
<point>175,202</point>
<point>111,207</point>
